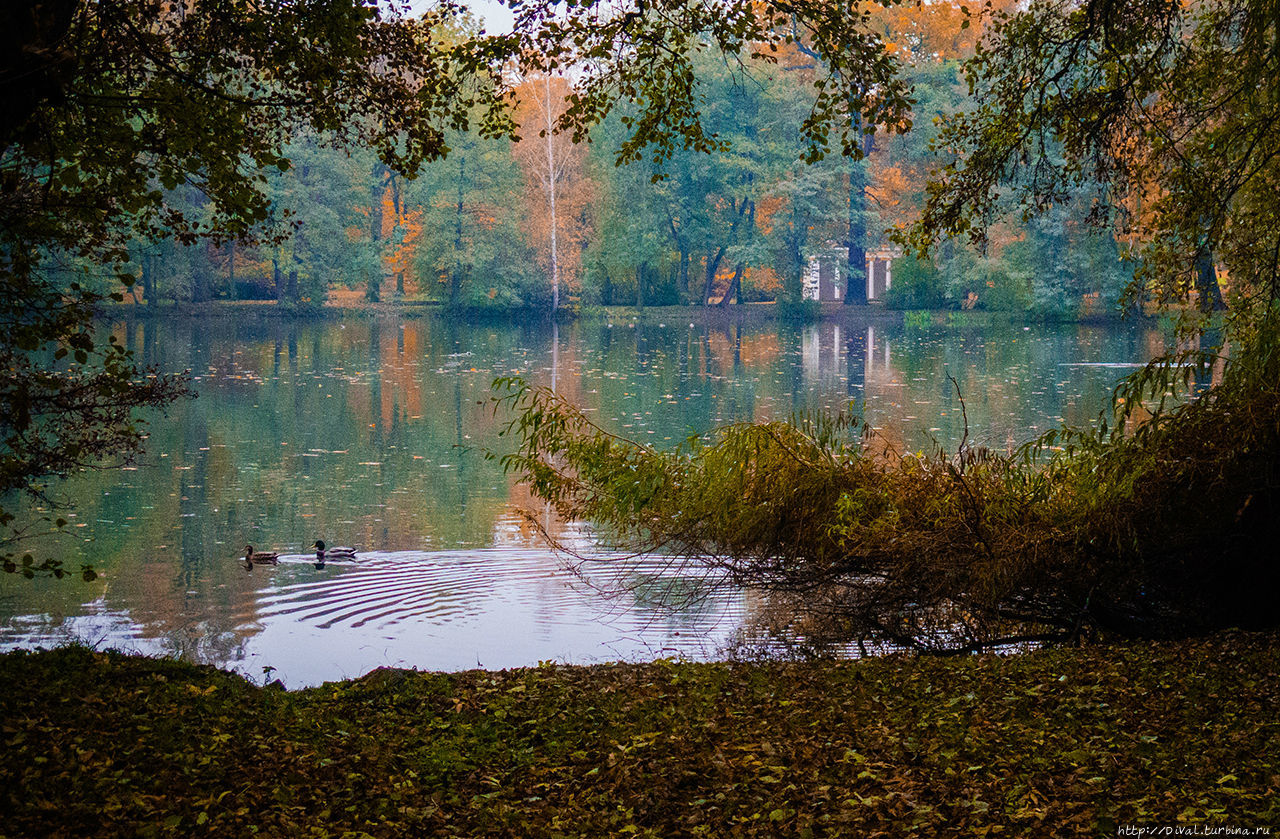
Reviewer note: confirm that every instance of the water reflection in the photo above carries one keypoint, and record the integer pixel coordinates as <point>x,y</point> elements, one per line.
<point>372,433</point>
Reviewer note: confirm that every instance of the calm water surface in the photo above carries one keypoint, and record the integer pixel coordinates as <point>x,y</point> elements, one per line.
<point>372,433</point>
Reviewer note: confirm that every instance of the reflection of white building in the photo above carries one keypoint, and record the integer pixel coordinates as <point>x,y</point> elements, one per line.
<point>832,357</point>
<point>879,367</point>
<point>822,352</point>
<point>823,278</point>
<point>824,275</point>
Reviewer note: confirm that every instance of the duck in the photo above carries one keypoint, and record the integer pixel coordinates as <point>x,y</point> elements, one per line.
<point>323,553</point>
<point>260,557</point>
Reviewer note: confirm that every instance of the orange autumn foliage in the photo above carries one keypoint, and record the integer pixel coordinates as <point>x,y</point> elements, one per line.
<point>935,31</point>
<point>560,166</point>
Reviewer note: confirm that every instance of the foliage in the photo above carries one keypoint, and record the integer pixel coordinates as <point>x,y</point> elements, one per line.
<point>946,553</point>
<point>752,106</point>
<point>110,107</point>
<point>646,55</point>
<point>917,284</point>
<point>1061,742</point>
<point>803,311</point>
<point>139,140</point>
<point>985,282</point>
<point>1169,107</point>
<point>71,410</point>
<point>555,183</point>
<point>1178,508</point>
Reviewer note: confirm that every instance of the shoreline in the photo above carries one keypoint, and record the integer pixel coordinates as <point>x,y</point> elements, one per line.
<point>741,313</point>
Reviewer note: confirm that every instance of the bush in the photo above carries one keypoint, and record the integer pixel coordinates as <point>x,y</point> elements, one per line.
<point>917,284</point>
<point>1161,522</point>
<point>801,311</point>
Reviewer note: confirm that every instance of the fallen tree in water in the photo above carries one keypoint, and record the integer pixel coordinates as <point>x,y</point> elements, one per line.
<point>1160,521</point>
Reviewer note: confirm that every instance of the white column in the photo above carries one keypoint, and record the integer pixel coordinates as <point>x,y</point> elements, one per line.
<point>811,286</point>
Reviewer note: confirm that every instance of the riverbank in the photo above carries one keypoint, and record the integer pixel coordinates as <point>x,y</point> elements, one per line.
<point>349,307</point>
<point>1062,742</point>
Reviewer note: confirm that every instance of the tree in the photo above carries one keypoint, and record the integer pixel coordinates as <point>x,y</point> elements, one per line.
<point>109,107</point>
<point>321,197</point>
<point>1170,106</point>
<point>1161,519</point>
<point>474,247</point>
<point>553,166</point>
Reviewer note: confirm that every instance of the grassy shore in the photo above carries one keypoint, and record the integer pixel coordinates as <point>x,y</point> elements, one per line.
<point>347,308</point>
<point>1065,742</point>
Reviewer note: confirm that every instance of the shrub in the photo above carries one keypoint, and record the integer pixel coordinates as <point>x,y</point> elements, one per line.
<point>1161,521</point>
<point>917,284</point>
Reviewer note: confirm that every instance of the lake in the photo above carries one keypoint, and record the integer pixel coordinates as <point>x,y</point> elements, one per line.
<point>372,433</point>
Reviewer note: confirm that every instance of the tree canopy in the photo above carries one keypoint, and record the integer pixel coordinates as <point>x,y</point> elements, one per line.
<point>110,107</point>
<point>1157,117</point>
<point>1160,117</point>
<point>1171,107</point>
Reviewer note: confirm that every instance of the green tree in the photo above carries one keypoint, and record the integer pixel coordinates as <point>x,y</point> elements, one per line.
<point>645,216</point>
<point>1169,106</point>
<point>111,106</point>
<point>472,251</point>
<point>1162,519</point>
<point>320,199</point>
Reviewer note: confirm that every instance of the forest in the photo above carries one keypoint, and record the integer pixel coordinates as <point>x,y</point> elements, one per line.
<point>504,224</point>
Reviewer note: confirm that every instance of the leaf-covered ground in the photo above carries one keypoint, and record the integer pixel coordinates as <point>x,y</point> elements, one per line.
<point>1065,742</point>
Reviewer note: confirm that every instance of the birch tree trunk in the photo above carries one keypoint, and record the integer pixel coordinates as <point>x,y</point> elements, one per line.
<point>551,197</point>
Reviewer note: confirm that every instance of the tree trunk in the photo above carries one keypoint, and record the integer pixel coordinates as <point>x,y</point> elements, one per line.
<point>735,285</point>
<point>551,197</point>
<point>684,276</point>
<point>373,289</point>
<point>606,289</point>
<point>741,209</point>
<point>149,281</point>
<point>200,277</point>
<point>231,270</point>
<point>455,277</point>
<point>1207,288</point>
<point>856,276</point>
<point>793,278</point>
<point>713,265</point>
<point>640,271</point>
<point>682,281</point>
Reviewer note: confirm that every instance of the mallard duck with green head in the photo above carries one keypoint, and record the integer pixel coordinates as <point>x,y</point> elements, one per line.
<point>323,553</point>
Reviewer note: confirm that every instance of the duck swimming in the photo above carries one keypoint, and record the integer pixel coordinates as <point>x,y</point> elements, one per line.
<point>323,553</point>
<point>260,557</point>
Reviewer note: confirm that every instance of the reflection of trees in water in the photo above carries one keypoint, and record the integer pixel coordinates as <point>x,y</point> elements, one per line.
<point>681,600</point>
<point>656,591</point>
<point>275,451</point>
<point>200,644</point>
<point>814,624</point>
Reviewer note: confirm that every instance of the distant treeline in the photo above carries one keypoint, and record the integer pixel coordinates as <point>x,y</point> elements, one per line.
<point>501,225</point>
